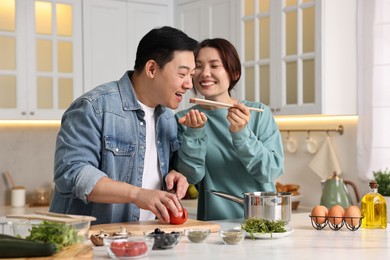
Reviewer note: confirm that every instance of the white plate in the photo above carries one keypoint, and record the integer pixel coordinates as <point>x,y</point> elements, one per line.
<point>271,235</point>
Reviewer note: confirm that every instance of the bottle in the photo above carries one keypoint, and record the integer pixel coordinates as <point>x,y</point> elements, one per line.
<point>374,208</point>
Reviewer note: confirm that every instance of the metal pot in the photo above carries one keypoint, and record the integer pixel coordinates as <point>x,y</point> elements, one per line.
<point>265,205</point>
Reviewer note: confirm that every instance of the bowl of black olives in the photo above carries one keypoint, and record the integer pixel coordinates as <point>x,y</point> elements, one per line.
<point>164,240</point>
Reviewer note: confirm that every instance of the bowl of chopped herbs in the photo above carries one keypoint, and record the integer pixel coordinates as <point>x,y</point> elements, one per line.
<point>257,227</point>
<point>60,234</point>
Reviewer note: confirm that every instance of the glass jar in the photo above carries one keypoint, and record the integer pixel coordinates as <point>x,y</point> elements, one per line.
<point>374,209</point>
<point>41,197</point>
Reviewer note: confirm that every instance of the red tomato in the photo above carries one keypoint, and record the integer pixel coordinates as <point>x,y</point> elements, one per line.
<point>142,248</point>
<point>132,249</point>
<point>118,248</point>
<point>181,219</point>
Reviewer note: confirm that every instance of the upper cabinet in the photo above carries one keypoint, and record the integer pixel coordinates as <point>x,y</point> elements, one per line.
<point>40,57</point>
<point>112,31</point>
<point>299,56</point>
<point>202,19</point>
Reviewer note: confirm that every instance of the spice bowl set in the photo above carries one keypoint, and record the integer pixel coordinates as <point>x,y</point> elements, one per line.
<point>124,245</point>
<point>229,236</point>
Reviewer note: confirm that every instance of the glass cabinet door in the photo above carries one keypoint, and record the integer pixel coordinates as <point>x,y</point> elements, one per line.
<point>298,55</point>
<point>55,77</point>
<point>40,58</point>
<point>256,58</point>
<point>11,78</point>
<point>279,55</point>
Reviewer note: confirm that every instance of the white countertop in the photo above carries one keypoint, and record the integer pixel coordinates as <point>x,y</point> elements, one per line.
<point>304,243</point>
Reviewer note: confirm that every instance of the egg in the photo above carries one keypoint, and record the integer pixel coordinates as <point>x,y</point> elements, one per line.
<point>336,214</point>
<point>319,214</point>
<point>352,216</point>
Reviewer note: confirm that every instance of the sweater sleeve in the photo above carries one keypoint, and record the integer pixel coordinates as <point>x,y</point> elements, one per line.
<point>259,147</point>
<point>191,157</point>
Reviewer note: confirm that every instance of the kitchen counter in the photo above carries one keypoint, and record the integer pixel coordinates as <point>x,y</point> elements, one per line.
<point>304,243</point>
<point>8,210</point>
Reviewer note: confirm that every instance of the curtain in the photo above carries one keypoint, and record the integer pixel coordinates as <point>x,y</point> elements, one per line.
<point>373,44</point>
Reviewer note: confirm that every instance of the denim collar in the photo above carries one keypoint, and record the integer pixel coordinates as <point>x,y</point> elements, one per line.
<point>129,99</point>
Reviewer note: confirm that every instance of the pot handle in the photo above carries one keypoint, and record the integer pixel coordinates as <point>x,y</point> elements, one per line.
<point>355,189</point>
<point>228,196</point>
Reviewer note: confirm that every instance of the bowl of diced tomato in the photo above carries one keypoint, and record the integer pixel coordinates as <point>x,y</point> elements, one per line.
<point>130,247</point>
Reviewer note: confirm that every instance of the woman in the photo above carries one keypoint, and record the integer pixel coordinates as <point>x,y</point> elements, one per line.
<point>231,150</point>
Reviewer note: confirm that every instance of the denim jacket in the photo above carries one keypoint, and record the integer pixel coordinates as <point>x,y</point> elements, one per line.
<point>103,134</point>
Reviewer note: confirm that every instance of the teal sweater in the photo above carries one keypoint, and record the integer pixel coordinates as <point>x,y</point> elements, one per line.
<point>214,158</point>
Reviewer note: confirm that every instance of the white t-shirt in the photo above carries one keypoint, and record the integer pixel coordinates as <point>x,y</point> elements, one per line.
<point>151,176</point>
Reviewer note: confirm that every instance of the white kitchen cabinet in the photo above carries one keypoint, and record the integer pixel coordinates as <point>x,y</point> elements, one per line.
<point>144,17</point>
<point>40,57</point>
<point>112,31</point>
<point>105,41</point>
<point>202,19</point>
<point>299,56</point>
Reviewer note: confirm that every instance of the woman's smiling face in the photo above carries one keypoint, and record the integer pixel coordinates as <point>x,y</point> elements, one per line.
<point>211,79</point>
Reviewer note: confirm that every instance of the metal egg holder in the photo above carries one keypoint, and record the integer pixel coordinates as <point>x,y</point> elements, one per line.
<point>335,226</point>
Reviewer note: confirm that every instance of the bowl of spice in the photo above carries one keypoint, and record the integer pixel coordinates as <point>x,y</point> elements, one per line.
<point>232,236</point>
<point>197,235</point>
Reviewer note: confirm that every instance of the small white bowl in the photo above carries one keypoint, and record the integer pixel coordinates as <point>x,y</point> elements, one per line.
<point>197,235</point>
<point>232,236</point>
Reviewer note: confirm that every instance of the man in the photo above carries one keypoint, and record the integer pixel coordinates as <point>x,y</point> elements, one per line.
<point>114,147</point>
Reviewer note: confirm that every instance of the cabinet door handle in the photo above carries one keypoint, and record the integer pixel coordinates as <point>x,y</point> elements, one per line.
<point>23,113</point>
<point>32,113</point>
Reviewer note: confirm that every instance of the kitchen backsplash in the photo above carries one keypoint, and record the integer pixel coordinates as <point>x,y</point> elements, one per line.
<point>297,170</point>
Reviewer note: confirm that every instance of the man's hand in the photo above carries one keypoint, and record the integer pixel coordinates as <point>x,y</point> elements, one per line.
<point>109,191</point>
<point>178,182</point>
<point>158,202</point>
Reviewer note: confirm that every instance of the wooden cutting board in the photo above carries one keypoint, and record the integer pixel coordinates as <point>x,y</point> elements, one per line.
<point>80,251</point>
<point>139,227</point>
<point>75,252</point>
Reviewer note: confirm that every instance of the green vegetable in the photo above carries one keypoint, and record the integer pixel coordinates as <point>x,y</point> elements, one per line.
<point>4,236</point>
<point>383,180</point>
<point>60,234</point>
<point>259,225</point>
<point>18,247</point>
